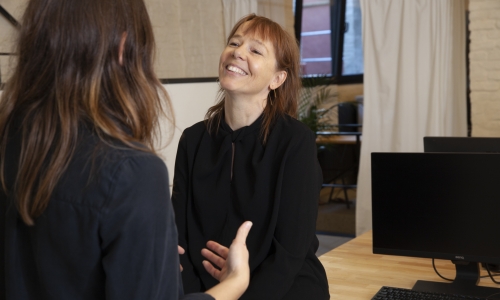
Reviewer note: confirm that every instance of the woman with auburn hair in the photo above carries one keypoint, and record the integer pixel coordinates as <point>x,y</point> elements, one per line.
<point>252,160</point>
<point>84,200</point>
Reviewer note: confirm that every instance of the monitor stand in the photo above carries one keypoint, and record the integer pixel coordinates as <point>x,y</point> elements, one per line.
<point>465,283</point>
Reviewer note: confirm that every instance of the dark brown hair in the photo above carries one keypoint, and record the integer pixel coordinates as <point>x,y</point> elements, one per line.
<point>287,59</point>
<point>68,73</point>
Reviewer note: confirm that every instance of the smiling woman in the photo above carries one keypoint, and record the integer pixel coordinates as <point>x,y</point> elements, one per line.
<point>268,59</point>
<point>248,66</point>
<point>252,160</point>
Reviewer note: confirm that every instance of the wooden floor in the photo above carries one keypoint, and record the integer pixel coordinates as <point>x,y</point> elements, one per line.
<point>335,225</point>
<point>330,242</point>
<point>334,218</point>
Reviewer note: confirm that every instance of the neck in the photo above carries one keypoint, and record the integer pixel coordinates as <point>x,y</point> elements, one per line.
<point>241,111</point>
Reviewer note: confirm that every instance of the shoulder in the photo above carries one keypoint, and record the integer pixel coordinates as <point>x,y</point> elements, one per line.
<point>117,161</point>
<point>110,154</point>
<point>192,135</point>
<point>289,128</point>
<point>132,165</point>
<point>136,171</point>
<point>139,161</point>
<point>195,130</point>
<point>129,179</point>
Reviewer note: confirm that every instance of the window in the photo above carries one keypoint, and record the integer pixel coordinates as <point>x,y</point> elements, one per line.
<point>330,39</point>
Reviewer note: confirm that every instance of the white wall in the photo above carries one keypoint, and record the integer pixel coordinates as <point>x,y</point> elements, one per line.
<point>190,102</point>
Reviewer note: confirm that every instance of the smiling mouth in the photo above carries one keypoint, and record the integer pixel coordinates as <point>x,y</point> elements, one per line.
<point>236,70</point>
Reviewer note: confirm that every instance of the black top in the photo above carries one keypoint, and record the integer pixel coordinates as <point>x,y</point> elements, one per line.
<point>111,235</point>
<point>276,186</point>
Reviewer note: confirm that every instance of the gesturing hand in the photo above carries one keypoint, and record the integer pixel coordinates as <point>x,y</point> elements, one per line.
<point>230,262</point>
<point>181,251</point>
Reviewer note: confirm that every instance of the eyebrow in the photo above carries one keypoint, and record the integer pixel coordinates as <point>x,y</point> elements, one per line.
<point>253,40</point>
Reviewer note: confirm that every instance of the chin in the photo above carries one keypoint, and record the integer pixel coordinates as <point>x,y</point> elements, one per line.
<point>224,84</point>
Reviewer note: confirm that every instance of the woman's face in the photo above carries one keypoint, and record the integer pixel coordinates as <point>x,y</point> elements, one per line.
<point>248,65</point>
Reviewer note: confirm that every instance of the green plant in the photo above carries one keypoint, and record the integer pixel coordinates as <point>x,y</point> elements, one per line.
<point>315,92</point>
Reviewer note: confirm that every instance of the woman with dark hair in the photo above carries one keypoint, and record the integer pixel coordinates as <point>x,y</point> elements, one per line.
<point>252,160</point>
<point>84,200</point>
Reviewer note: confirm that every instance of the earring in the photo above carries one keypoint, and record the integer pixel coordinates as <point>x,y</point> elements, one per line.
<point>218,82</point>
<point>270,99</point>
<point>274,94</point>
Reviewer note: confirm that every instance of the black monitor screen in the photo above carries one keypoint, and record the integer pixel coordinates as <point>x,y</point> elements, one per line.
<point>437,205</point>
<point>461,144</point>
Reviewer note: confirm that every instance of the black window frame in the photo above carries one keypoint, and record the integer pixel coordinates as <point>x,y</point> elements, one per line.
<point>338,27</point>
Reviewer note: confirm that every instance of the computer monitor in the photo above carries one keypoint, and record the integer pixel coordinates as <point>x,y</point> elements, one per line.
<point>461,144</point>
<point>439,205</point>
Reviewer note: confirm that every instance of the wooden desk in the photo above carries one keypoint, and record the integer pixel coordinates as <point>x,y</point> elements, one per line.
<point>354,272</point>
<point>338,139</point>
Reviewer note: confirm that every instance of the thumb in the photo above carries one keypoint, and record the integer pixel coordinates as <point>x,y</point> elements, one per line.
<point>243,231</point>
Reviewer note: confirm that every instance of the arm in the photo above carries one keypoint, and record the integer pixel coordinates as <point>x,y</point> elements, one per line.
<point>191,281</point>
<point>138,234</point>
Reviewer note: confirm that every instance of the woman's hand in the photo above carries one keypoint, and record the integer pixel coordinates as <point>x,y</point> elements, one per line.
<point>217,255</point>
<point>233,270</point>
<point>181,251</point>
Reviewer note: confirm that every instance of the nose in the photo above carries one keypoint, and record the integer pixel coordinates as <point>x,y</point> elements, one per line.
<point>238,53</point>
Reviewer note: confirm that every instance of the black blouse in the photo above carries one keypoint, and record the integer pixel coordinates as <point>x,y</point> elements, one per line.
<point>108,231</point>
<point>226,178</point>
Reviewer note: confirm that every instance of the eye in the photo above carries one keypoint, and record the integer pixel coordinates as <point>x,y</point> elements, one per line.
<point>256,52</point>
<point>233,43</point>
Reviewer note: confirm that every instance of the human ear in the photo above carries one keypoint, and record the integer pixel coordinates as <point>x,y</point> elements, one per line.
<point>122,48</point>
<point>279,78</point>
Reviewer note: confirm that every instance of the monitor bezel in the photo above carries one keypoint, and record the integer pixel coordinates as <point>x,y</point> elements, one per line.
<point>453,144</point>
<point>427,254</point>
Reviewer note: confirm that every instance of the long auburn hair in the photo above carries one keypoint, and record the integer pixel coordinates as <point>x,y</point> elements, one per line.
<point>287,59</point>
<point>69,73</point>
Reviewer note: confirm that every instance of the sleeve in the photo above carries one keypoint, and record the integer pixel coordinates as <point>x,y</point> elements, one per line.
<point>138,234</point>
<point>296,224</point>
<point>191,280</point>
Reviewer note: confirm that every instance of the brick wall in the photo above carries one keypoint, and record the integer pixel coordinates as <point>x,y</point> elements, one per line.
<point>485,67</point>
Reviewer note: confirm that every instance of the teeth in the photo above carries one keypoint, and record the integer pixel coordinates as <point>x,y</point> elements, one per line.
<point>236,70</point>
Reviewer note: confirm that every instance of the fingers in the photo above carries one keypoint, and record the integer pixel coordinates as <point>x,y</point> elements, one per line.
<point>214,258</point>
<point>223,262</point>
<point>215,273</point>
<point>181,251</point>
<point>241,235</point>
<point>218,248</point>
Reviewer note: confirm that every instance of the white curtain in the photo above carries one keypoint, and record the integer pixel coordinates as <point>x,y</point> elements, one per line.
<point>414,81</point>
<point>234,10</point>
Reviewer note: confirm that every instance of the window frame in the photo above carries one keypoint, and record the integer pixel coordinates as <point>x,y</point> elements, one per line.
<point>337,28</point>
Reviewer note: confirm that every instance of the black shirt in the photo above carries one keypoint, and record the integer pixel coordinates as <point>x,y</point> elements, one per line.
<point>225,178</point>
<point>108,231</point>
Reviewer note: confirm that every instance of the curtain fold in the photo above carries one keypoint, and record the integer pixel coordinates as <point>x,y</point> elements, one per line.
<point>414,81</point>
<point>234,10</point>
